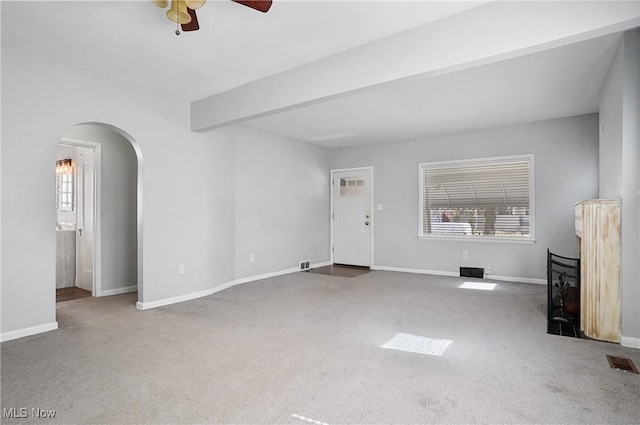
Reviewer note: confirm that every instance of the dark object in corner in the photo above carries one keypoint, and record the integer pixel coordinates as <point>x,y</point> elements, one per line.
<point>341,270</point>
<point>563,295</point>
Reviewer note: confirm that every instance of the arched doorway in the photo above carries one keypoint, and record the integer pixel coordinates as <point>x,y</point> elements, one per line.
<point>107,209</point>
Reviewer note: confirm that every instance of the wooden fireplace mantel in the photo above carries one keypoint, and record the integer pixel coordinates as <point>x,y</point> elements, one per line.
<point>598,228</point>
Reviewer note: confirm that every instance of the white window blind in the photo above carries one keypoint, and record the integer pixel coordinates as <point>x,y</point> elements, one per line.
<point>478,198</point>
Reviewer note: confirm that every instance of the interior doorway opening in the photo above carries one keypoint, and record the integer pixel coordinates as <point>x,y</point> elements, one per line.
<point>75,220</point>
<point>98,213</point>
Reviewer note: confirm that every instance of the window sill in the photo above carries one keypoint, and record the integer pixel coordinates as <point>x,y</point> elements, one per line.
<point>470,238</point>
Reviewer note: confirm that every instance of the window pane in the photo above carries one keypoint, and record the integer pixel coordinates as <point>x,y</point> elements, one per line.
<point>484,197</point>
<point>354,186</point>
<point>343,187</point>
<point>65,191</point>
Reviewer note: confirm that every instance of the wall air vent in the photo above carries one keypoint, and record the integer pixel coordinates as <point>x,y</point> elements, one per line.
<point>472,272</point>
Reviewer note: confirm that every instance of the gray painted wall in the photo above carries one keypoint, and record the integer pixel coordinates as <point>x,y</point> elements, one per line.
<point>188,213</point>
<point>189,182</point>
<point>282,202</point>
<point>119,246</point>
<point>619,166</point>
<point>566,171</point>
<point>610,144</point>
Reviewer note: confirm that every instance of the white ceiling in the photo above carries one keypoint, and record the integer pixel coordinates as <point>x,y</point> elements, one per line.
<point>133,41</point>
<point>554,83</point>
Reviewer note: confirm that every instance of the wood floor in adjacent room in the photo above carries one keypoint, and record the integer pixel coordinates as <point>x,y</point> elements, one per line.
<point>314,348</point>
<point>72,293</point>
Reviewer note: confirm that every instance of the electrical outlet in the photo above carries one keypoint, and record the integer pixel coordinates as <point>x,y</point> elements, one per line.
<point>487,270</point>
<point>252,258</point>
<point>304,265</point>
<point>180,268</point>
<point>307,265</point>
<point>465,255</point>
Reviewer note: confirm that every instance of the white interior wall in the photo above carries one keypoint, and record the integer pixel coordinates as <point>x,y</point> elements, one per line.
<point>610,131</point>
<point>566,171</point>
<point>189,190</point>
<point>188,204</point>
<point>631,191</point>
<point>282,202</point>
<point>619,169</point>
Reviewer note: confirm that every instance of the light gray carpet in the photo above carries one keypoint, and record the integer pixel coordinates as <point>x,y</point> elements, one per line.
<point>308,345</point>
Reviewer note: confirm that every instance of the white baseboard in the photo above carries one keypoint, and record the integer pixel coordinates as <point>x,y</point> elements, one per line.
<point>118,291</point>
<point>181,298</point>
<point>277,273</point>
<point>417,271</point>
<point>517,279</point>
<point>19,333</point>
<point>457,274</point>
<point>630,341</point>
<point>265,275</point>
<point>200,294</point>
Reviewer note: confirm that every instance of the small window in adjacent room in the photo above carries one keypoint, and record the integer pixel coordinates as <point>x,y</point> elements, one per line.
<point>64,173</point>
<point>485,199</point>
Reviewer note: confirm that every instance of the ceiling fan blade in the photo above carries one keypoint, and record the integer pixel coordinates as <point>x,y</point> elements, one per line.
<point>260,5</point>
<point>193,25</point>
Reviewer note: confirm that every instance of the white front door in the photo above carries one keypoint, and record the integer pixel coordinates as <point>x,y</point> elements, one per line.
<point>85,232</point>
<point>352,218</point>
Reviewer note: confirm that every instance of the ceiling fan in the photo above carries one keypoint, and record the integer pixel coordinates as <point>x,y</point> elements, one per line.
<point>183,12</point>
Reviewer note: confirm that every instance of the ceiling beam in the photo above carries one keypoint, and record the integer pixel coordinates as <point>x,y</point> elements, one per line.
<point>486,34</point>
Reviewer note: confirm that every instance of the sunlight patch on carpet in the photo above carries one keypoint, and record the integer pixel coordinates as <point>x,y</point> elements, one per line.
<point>479,285</point>
<point>418,344</point>
<point>313,421</point>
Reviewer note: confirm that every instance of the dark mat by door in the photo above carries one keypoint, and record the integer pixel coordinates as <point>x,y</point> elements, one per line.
<point>341,270</point>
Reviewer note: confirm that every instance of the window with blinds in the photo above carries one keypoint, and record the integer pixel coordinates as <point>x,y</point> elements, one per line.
<point>484,198</point>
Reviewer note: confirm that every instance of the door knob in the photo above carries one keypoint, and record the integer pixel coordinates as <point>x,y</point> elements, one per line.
<point>366,223</point>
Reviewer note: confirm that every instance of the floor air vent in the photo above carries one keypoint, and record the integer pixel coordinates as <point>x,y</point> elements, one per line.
<point>472,272</point>
<point>622,363</point>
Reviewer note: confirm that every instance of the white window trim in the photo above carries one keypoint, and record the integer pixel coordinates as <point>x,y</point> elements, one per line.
<point>476,238</point>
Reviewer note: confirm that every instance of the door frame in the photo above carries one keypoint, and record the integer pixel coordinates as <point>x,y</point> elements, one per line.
<point>97,209</point>
<point>373,215</point>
